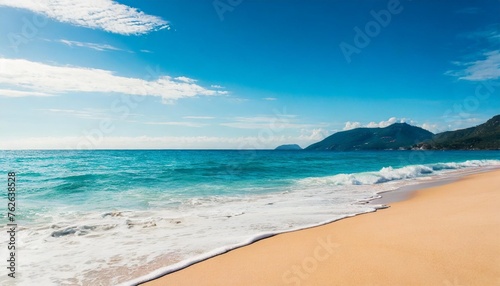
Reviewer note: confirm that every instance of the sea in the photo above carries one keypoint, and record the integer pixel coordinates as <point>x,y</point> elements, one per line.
<point>121,217</point>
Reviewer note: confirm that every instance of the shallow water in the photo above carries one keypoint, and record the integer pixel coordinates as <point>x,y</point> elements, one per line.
<point>107,217</point>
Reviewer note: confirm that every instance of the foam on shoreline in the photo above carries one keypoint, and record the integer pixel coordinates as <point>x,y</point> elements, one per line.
<point>449,233</point>
<point>398,185</point>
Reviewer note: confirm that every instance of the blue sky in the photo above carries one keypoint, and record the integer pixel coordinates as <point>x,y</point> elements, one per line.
<point>240,73</point>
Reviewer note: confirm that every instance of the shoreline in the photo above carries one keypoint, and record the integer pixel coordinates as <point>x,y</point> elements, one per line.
<point>273,237</point>
<point>404,193</point>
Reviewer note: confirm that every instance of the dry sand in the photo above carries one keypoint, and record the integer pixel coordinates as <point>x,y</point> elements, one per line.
<point>447,235</point>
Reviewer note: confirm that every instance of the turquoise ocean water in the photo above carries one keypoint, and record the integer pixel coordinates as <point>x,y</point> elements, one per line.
<point>90,217</point>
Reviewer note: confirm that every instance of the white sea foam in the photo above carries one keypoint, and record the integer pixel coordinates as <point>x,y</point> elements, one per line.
<point>387,174</point>
<point>69,247</point>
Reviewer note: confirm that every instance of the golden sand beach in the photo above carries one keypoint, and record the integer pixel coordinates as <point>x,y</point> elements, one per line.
<point>447,235</point>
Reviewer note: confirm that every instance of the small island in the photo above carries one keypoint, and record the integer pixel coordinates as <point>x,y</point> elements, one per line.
<point>288,147</point>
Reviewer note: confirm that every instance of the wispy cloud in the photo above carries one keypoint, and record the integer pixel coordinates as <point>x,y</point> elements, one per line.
<point>93,46</point>
<point>485,65</point>
<point>21,76</point>
<point>147,142</point>
<point>262,122</point>
<point>457,122</point>
<point>198,117</point>
<point>185,79</point>
<point>237,100</point>
<point>489,34</point>
<point>21,93</point>
<point>270,98</point>
<point>178,123</point>
<point>106,15</point>
<point>487,68</point>
<point>83,113</point>
<point>432,127</point>
<point>313,135</point>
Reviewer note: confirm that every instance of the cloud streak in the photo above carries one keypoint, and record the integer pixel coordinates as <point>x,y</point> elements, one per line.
<point>265,122</point>
<point>21,93</point>
<point>198,117</point>
<point>178,123</point>
<point>487,68</point>
<point>156,142</point>
<point>20,77</point>
<point>105,15</point>
<point>487,63</point>
<point>93,46</point>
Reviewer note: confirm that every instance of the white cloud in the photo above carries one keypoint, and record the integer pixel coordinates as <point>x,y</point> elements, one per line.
<point>94,46</point>
<point>146,142</point>
<point>270,98</point>
<point>432,127</point>
<point>106,15</point>
<point>224,92</point>
<point>198,117</point>
<point>86,113</point>
<point>487,63</point>
<point>313,135</point>
<point>352,125</point>
<point>385,123</point>
<point>487,68</point>
<point>277,122</point>
<point>185,79</point>
<point>178,123</point>
<point>22,77</point>
<point>490,33</point>
<point>451,124</point>
<point>21,93</point>
<point>459,122</point>
<point>236,99</point>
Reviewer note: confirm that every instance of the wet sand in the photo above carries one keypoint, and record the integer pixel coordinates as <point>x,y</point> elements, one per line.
<point>445,235</point>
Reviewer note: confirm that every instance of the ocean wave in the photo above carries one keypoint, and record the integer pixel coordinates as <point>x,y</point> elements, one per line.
<point>387,174</point>
<point>80,229</point>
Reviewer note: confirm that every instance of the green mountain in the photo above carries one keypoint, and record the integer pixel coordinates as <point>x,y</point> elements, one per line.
<point>482,137</point>
<point>288,147</point>
<point>395,136</point>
